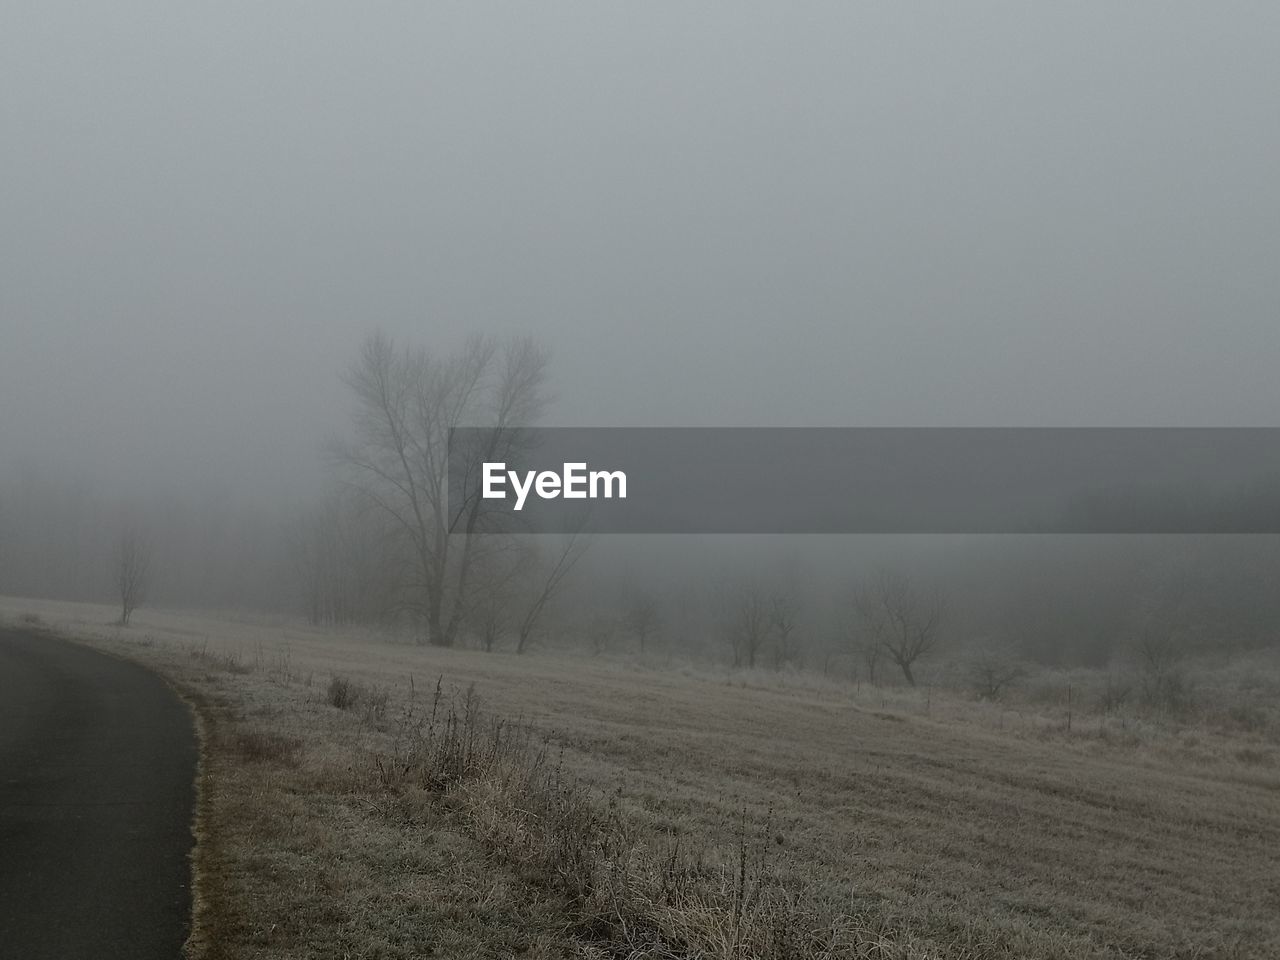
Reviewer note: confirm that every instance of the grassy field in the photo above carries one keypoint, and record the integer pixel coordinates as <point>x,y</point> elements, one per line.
<point>723,815</point>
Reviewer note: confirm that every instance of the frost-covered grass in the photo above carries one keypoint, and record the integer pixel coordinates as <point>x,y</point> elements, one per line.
<point>916,823</point>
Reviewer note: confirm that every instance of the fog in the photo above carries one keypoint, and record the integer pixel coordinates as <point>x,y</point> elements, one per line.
<point>721,214</point>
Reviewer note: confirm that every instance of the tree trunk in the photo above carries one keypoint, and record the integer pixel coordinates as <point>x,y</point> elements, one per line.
<point>436,635</point>
<point>433,619</point>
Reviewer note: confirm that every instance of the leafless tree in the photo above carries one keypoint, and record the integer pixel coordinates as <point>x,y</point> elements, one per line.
<point>1115,694</point>
<point>493,621</point>
<point>745,621</point>
<point>1165,630</point>
<point>133,571</point>
<point>549,586</point>
<point>870,653</point>
<point>506,571</point>
<point>863,644</point>
<point>993,669</point>
<point>642,619</point>
<point>601,630</point>
<point>408,401</point>
<point>784,612</point>
<point>903,621</point>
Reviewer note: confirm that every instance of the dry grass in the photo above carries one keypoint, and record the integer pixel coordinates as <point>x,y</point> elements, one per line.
<point>647,813</point>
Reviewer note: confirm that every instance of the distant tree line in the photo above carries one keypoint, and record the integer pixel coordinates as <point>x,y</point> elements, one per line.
<point>385,546</point>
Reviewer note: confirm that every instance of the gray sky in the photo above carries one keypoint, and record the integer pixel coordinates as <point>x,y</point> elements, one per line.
<point>714,213</point>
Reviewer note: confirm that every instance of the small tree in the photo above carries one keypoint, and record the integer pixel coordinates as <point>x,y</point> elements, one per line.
<point>855,636</point>
<point>901,620</point>
<point>784,612</point>
<point>1115,694</point>
<point>600,633</point>
<point>1165,629</point>
<point>745,622</point>
<point>642,619</point>
<point>870,653</point>
<point>551,581</point>
<point>492,620</point>
<point>1160,649</point>
<point>993,670</point>
<point>506,568</point>
<point>133,569</point>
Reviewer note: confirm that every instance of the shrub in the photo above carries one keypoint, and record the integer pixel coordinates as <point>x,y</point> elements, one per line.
<point>342,693</point>
<point>992,672</point>
<point>625,898</point>
<point>1115,694</point>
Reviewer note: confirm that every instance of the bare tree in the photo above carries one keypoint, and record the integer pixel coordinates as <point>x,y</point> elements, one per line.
<point>133,571</point>
<point>408,401</point>
<point>493,620</point>
<point>1168,622</point>
<point>870,653</point>
<point>863,644</point>
<point>601,630</point>
<point>642,619</point>
<point>505,569</point>
<point>784,613</point>
<point>745,622</point>
<point>901,620</point>
<point>993,669</point>
<point>1165,631</point>
<point>550,584</point>
<point>856,639</point>
<point>1115,694</point>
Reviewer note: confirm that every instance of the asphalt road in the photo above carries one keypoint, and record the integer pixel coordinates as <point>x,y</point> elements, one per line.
<point>97,771</point>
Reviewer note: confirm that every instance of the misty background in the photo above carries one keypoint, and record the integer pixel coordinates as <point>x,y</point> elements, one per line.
<point>715,214</point>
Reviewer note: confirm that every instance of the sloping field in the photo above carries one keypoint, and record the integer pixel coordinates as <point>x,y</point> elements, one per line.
<point>949,828</point>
